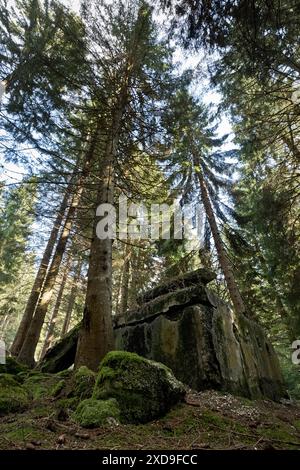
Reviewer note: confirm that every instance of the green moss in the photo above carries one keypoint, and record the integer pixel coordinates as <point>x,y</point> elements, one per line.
<point>22,433</point>
<point>67,404</point>
<point>41,385</point>
<point>212,419</point>
<point>83,383</point>
<point>64,374</point>
<point>92,413</point>
<point>296,423</point>
<point>12,366</point>
<point>144,389</point>
<point>279,432</point>
<point>57,388</point>
<point>13,397</point>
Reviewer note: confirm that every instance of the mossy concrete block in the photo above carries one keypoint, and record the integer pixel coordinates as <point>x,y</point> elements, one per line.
<point>144,389</point>
<point>208,346</point>
<point>93,413</point>
<point>61,355</point>
<point>13,397</point>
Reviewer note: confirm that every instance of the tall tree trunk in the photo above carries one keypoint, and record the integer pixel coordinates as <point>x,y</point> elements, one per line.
<point>125,281</point>
<point>4,323</point>
<point>96,336</point>
<point>118,294</point>
<point>40,278</point>
<point>72,299</point>
<point>233,289</point>
<point>50,332</point>
<point>26,354</point>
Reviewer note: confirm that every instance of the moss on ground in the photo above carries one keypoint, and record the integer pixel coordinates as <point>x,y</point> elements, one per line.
<point>95,413</point>
<point>12,366</point>
<point>38,408</point>
<point>57,388</point>
<point>184,427</point>
<point>41,385</point>
<point>297,424</point>
<point>13,397</point>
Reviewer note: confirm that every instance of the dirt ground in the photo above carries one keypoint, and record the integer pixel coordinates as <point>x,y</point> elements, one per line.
<point>206,420</point>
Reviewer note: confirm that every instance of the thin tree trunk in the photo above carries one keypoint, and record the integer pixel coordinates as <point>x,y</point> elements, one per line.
<point>4,323</point>
<point>72,299</point>
<point>27,351</point>
<point>125,281</point>
<point>50,332</point>
<point>136,262</point>
<point>40,278</point>
<point>233,289</point>
<point>118,295</point>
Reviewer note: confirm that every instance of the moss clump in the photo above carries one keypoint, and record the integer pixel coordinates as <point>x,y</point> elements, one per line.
<point>12,366</point>
<point>297,424</point>
<point>41,385</point>
<point>79,385</point>
<point>13,397</point>
<point>64,374</point>
<point>84,382</point>
<point>280,432</point>
<point>92,413</point>
<point>67,404</point>
<point>144,389</point>
<point>20,434</point>
<point>57,388</point>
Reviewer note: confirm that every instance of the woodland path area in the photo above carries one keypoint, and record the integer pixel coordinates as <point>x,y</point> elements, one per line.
<point>207,420</point>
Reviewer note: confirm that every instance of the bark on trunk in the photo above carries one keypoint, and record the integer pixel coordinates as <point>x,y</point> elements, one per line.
<point>4,324</point>
<point>223,259</point>
<point>96,336</point>
<point>50,332</point>
<point>40,278</point>
<point>125,281</point>
<point>72,299</point>
<point>26,354</point>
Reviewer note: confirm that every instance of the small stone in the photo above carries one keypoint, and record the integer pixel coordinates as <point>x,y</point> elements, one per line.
<point>36,443</point>
<point>29,446</point>
<point>61,439</point>
<point>81,435</point>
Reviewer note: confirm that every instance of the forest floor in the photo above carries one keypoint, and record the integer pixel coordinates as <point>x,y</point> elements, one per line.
<point>207,420</point>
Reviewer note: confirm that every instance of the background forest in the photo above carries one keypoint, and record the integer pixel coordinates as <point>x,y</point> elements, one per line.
<point>194,101</point>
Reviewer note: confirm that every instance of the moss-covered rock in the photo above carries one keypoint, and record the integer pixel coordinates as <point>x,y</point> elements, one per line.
<point>144,389</point>
<point>92,413</point>
<point>12,366</point>
<point>79,385</point>
<point>13,397</point>
<point>84,382</point>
